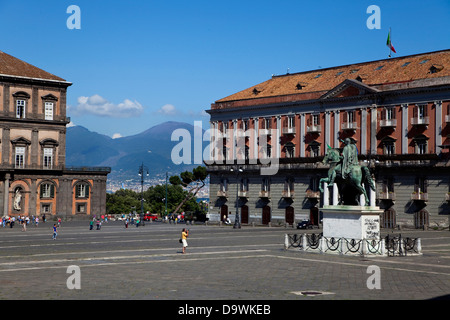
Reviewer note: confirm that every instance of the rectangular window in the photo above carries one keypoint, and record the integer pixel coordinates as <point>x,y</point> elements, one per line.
<point>48,158</point>
<point>47,190</point>
<point>46,208</point>
<point>422,147</point>
<point>390,113</point>
<point>389,148</point>
<point>82,191</point>
<point>315,151</point>
<point>81,208</point>
<point>291,122</point>
<point>265,185</point>
<point>421,111</point>
<point>20,109</point>
<point>20,157</point>
<point>350,116</point>
<point>315,120</point>
<point>49,111</point>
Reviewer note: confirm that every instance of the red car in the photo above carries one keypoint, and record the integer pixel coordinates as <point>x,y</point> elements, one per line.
<point>150,216</point>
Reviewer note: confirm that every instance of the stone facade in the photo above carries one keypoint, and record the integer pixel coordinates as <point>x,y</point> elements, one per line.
<point>34,179</point>
<point>397,111</point>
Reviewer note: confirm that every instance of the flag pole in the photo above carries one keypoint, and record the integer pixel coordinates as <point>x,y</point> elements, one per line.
<point>390,40</point>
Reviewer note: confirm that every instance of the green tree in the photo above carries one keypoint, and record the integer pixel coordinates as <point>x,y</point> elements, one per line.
<point>194,181</point>
<point>123,201</point>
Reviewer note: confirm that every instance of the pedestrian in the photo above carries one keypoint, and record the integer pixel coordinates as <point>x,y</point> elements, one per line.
<point>91,225</point>
<point>98,224</point>
<point>55,231</point>
<point>126,223</point>
<point>184,235</point>
<point>24,225</point>
<point>37,221</point>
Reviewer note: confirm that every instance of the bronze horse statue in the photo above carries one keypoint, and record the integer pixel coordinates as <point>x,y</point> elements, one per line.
<point>353,185</point>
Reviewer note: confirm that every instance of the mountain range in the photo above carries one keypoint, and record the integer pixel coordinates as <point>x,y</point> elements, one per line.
<point>125,155</point>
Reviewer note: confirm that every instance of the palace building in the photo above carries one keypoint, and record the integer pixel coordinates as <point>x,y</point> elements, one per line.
<point>396,111</point>
<point>34,179</point>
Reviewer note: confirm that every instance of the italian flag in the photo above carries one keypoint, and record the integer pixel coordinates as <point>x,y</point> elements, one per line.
<point>388,42</point>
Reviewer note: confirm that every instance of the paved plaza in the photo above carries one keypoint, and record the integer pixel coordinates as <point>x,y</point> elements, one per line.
<point>221,263</point>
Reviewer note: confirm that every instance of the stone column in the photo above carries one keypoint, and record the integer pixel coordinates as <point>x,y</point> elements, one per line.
<point>6,195</point>
<point>326,200</point>
<point>335,194</point>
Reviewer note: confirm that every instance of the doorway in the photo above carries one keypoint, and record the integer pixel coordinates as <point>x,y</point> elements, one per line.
<point>289,216</point>
<point>314,216</point>
<point>244,214</point>
<point>223,213</point>
<point>266,215</point>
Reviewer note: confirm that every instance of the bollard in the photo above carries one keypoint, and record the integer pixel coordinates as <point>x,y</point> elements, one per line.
<point>286,241</point>
<point>304,243</point>
<point>364,247</point>
<point>383,247</point>
<point>419,246</point>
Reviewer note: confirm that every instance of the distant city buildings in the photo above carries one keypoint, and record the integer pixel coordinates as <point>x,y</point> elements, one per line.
<point>396,111</point>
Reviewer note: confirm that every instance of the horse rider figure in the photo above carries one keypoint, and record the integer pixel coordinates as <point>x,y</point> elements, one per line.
<point>349,157</point>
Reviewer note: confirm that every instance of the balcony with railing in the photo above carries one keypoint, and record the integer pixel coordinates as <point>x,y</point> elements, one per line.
<point>243,194</point>
<point>349,126</point>
<point>264,131</point>
<point>264,194</point>
<point>288,194</point>
<point>419,196</point>
<point>311,194</point>
<point>288,130</point>
<point>222,194</point>
<point>420,121</point>
<point>386,196</point>
<point>314,128</point>
<point>388,123</point>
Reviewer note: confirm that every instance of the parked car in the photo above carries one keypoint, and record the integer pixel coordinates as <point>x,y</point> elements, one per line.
<point>305,224</point>
<point>150,216</point>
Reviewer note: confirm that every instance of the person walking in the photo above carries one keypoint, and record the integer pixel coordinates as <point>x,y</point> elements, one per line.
<point>55,231</point>
<point>184,235</point>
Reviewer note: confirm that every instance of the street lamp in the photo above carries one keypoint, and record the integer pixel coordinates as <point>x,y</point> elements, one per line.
<point>237,222</point>
<point>142,168</point>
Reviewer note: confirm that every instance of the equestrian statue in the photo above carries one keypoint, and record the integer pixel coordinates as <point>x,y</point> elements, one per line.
<point>350,177</point>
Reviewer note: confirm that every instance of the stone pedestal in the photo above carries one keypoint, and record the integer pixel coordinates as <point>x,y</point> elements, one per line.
<point>351,222</point>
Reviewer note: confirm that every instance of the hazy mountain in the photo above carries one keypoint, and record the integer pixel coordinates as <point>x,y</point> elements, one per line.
<point>151,147</point>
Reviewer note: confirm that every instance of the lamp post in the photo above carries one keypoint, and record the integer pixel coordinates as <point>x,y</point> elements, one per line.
<point>166,194</point>
<point>237,222</point>
<point>142,168</point>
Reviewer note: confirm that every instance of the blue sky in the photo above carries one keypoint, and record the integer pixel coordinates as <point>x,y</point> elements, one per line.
<point>135,64</point>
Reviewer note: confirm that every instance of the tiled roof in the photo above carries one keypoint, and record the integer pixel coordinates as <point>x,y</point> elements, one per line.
<point>12,66</point>
<point>313,84</point>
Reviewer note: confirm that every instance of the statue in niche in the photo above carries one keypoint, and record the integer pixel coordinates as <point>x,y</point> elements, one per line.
<point>17,199</point>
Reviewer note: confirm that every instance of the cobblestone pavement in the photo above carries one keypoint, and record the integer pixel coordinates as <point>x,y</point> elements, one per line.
<point>221,263</point>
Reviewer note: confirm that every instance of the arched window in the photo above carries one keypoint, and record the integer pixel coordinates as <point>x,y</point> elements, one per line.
<point>47,190</point>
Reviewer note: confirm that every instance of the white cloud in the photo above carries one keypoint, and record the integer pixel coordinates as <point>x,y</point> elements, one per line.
<point>116,135</point>
<point>168,109</point>
<point>71,124</point>
<point>97,105</point>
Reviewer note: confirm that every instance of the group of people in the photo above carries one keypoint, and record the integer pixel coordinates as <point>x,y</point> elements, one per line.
<point>24,221</point>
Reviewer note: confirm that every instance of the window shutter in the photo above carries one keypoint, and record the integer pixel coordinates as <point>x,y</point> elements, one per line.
<point>87,191</point>
<point>42,190</point>
<point>52,191</point>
